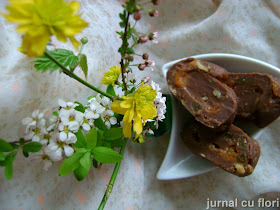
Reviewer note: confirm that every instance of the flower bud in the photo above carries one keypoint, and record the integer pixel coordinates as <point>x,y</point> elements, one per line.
<point>153,35</point>
<point>145,56</point>
<point>146,79</point>
<point>137,8</point>
<point>153,13</point>
<point>143,39</point>
<point>84,40</point>
<point>141,67</point>
<point>130,58</point>
<point>155,2</point>
<point>149,63</point>
<point>137,16</point>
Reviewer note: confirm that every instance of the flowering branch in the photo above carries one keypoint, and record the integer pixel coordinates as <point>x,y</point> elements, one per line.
<point>74,76</point>
<point>124,38</point>
<point>112,180</point>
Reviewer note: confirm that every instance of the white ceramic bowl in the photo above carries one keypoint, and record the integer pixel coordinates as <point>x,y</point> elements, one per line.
<point>179,162</point>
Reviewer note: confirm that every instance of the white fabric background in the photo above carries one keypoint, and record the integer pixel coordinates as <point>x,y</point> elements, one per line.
<point>186,27</point>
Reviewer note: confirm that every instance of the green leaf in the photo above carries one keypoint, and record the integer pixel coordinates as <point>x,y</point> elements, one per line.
<point>117,143</point>
<point>99,138</point>
<point>122,24</point>
<point>25,154</point>
<point>2,156</point>
<point>70,164</point>
<point>113,133</point>
<point>122,51</point>
<point>134,39</point>
<point>81,141</point>
<point>83,64</point>
<point>85,161</point>
<point>110,90</point>
<point>5,146</point>
<point>94,163</point>
<point>32,147</point>
<point>55,114</point>
<point>130,50</point>
<point>81,172</point>
<point>80,108</point>
<point>9,170</point>
<point>65,57</point>
<point>9,165</point>
<point>91,138</point>
<point>81,150</point>
<point>100,124</point>
<point>106,155</point>
<point>15,146</point>
<point>73,63</point>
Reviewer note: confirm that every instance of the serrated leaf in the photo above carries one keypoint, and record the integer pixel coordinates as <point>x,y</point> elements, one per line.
<point>106,155</point>
<point>91,138</point>
<point>65,57</point>
<point>81,141</point>
<point>32,147</point>
<point>5,146</point>
<point>70,164</point>
<point>110,90</point>
<point>85,161</point>
<point>83,64</point>
<point>73,62</point>
<point>80,108</point>
<point>112,134</point>
<point>100,124</point>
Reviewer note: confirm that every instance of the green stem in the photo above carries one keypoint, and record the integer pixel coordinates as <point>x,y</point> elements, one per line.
<point>74,76</point>
<point>112,180</point>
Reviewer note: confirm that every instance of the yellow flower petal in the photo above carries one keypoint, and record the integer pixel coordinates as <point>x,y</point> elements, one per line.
<point>137,124</point>
<point>41,18</point>
<point>117,108</point>
<point>127,129</point>
<point>34,46</point>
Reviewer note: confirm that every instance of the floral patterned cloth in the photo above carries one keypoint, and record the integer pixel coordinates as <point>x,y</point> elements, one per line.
<point>186,27</point>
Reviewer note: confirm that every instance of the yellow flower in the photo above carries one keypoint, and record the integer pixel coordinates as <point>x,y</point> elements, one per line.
<point>39,19</point>
<point>138,106</point>
<point>110,76</point>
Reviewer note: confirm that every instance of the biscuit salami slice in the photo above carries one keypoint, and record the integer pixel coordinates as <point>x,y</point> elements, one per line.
<point>258,96</point>
<point>209,100</point>
<point>233,150</point>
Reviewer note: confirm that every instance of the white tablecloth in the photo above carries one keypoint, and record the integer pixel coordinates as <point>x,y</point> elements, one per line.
<point>186,27</point>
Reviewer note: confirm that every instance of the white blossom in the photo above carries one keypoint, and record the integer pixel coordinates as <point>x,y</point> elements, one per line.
<point>35,133</point>
<point>107,117</point>
<point>159,103</point>
<point>60,146</point>
<point>87,121</point>
<point>37,118</point>
<point>94,110</point>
